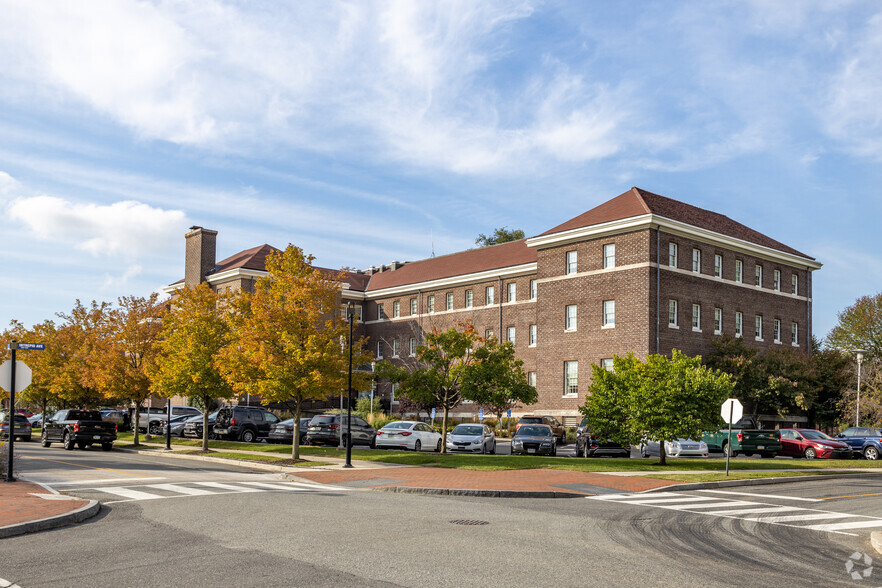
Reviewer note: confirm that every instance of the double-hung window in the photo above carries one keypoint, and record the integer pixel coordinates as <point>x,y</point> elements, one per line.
<point>696,261</point>
<point>696,317</point>
<point>381,314</point>
<point>430,303</point>
<point>469,298</point>
<point>534,289</point>
<point>718,321</point>
<point>413,346</point>
<point>413,306</point>
<point>510,334</point>
<point>776,280</point>
<point>759,276</point>
<point>609,256</point>
<point>379,350</point>
<point>609,313</point>
<point>739,271</point>
<point>396,347</point>
<point>718,266</point>
<point>672,313</point>
<point>777,330</point>
<point>739,324</point>
<point>396,309</point>
<point>794,283</point>
<point>490,294</point>
<point>571,378</point>
<point>672,254</point>
<point>571,317</point>
<point>759,327</point>
<point>533,334</point>
<point>531,378</point>
<point>572,262</point>
<point>794,333</point>
<point>607,364</point>
<point>512,292</point>
<point>449,300</point>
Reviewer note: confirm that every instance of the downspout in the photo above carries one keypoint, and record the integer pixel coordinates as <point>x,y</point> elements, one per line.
<point>808,311</point>
<point>499,281</point>
<point>420,313</point>
<point>657,286</point>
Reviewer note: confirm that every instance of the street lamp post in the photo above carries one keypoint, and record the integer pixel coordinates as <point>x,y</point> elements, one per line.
<point>350,310</point>
<point>859,355</point>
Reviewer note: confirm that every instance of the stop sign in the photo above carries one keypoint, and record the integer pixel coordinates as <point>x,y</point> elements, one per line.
<point>732,411</point>
<point>22,375</point>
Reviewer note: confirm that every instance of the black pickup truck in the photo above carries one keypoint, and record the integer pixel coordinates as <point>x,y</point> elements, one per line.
<point>78,427</point>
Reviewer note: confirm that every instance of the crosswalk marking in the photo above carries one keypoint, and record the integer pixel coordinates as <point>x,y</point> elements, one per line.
<point>227,487</point>
<point>843,526</point>
<point>809,516</point>
<point>740,511</point>
<point>798,498</point>
<point>135,492</point>
<point>286,487</point>
<point>181,489</point>
<point>676,499</point>
<point>129,493</point>
<point>709,505</point>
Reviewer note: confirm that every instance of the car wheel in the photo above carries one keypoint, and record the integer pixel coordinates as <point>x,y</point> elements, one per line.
<point>438,446</point>
<point>493,449</point>
<point>247,436</point>
<point>871,453</point>
<point>417,446</point>
<point>44,441</point>
<point>810,453</point>
<point>727,451</point>
<point>106,446</point>
<point>554,450</point>
<point>374,443</point>
<point>68,442</point>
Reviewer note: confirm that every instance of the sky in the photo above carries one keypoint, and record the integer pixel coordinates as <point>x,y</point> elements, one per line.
<point>366,132</point>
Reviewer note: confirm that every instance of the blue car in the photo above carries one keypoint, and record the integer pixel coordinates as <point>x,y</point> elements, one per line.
<point>864,441</point>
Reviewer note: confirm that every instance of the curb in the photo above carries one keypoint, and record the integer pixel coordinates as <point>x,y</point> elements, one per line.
<point>478,493</point>
<point>876,540</point>
<point>238,462</point>
<point>62,520</point>
<point>756,482</point>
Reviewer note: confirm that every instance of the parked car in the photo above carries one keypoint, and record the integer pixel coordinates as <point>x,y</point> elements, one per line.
<point>474,438</point>
<point>283,432</point>
<point>415,435</point>
<point>25,412</point>
<point>811,443</point>
<point>747,438</point>
<point>151,417</point>
<point>120,418</point>
<point>557,428</point>
<point>21,430</point>
<point>36,420</point>
<point>679,448</point>
<point>588,445</point>
<point>326,429</point>
<point>244,423</point>
<point>177,425</point>
<point>534,439</point>
<point>82,428</point>
<point>193,426</point>
<point>864,441</point>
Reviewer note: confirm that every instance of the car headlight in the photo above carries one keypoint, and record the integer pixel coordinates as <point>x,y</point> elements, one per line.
<point>546,444</point>
<point>516,443</point>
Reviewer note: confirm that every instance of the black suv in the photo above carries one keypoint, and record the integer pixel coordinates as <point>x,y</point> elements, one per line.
<point>327,428</point>
<point>588,445</point>
<point>244,423</point>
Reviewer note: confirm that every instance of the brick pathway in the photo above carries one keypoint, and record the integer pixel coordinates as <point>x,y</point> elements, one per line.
<point>19,503</point>
<point>541,480</point>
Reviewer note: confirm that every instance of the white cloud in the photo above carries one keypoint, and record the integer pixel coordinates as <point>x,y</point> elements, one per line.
<point>121,281</point>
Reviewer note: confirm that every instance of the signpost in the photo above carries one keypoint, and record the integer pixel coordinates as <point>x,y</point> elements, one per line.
<point>481,414</point>
<point>731,411</point>
<point>433,417</point>
<point>18,375</point>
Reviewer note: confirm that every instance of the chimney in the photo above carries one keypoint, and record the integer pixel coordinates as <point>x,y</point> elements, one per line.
<point>395,265</point>
<point>200,257</point>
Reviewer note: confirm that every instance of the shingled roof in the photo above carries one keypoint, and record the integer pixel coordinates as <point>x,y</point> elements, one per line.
<point>637,202</point>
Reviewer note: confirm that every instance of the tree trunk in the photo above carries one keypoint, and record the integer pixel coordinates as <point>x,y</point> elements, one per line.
<point>137,423</point>
<point>43,412</point>
<point>444,429</point>
<point>295,441</point>
<point>661,453</point>
<point>205,406</point>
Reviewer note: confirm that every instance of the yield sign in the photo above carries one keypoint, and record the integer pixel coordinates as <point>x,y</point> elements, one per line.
<point>22,375</point>
<point>731,411</point>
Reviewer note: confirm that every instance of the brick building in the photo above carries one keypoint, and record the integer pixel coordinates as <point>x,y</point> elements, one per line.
<point>640,272</point>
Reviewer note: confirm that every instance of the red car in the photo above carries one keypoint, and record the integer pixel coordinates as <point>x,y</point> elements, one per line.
<point>811,443</point>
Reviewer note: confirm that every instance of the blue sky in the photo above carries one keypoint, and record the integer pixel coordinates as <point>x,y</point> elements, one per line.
<point>367,132</point>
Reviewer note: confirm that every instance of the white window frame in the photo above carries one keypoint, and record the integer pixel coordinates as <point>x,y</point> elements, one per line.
<point>488,333</point>
<point>448,301</point>
<point>673,256</point>
<point>696,318</point>
<point>572,263</point>
<point>794,334</point>
<point>777,331</point>
<point>739,324</point>
<point>794,283</point>
<point>758,327</point>
<point>430,304</point>
<point>396,347</point>
<point>758,279</point>
<point>534,289</point>
<point>512,292</point>
<point>607,364</point>
<point>534,333</point>
<point>739,271</point>
<point>381,312</point>
<point>413,346</point>
<point>531,378</point>
<point>776,280</point>
<point>718,321</point>
<point>413,306</point>
<point>718,265</point>
<point>379,350</point>
<point>571,318</point>
<point>696,260</point>
<point>510,335</point>
<point>609,256</point>
<point>490,295</point>
<point>609,314</point>
<point>571,379</point>
<point>673,318</point>
<point>396,309</point>
<point>469,298</point>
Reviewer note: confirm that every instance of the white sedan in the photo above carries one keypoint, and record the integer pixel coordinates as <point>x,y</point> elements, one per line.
<point>415,435</point>
<point>678,448</point>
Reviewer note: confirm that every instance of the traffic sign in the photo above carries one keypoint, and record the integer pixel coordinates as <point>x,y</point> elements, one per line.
<point>508,413</point>
<point>481,414</point>
<point>22,375</point>
<point>731,411</point>
<point>433,413</point>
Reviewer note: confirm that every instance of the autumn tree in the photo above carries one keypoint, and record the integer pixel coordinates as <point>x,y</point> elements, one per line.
<point>82,340</point>
<point>663,399</point>
<point>860,327</point>
<point>44,365</point>
<point>498,236</point>
<point>731,355</point>
<point>194,330</point>
<point>290,337</point>
<point>499,382</point>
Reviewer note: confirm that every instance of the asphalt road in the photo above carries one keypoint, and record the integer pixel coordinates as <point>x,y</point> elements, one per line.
<point>239,527</point>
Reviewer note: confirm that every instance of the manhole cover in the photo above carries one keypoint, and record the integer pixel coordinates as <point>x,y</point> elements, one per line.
<point>469,522</point>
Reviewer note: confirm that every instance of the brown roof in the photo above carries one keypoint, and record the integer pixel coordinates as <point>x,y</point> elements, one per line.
<point>637,202</point>
<point>455,264</point>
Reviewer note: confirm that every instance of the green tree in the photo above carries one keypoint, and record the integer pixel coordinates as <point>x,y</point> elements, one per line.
<point>661,399</point>
<point>500,235</point>
<point>290,337</point>
<point>498,381</point>
<point>860,327</point>
<point>731,355</point>
<point>194,330</point>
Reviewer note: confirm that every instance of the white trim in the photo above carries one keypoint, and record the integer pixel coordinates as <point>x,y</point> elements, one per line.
<point>696,329</point>
<point>582,233</point>
<point>609,326</point>
<point>238,272</point>
<point>460,280</point>
<point>589,273</point>
<point>670,326</point>
<point>689,272</point>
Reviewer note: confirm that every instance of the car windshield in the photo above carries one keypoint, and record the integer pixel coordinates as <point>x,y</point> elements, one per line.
<point>398,425</point>
<point>533,431</point>
<point>323,419</point>
<point>84,415</point>
<point>817,435</point>
<point>531,420</point>
<point>468,430</point>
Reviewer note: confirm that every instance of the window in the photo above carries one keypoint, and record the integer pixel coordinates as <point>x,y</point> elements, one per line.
<point>571,378</point>
<point>609,256</point>
<point>607,364</point>
<point>794,283</point>
<point>533,333</point>
<point>379,350</point>
<point>381,314</point>
<point>672,313</point>
<point>794,333</point>
<point>759,276</point>
<point>469,299</point>
<point>776,280</point>
<point>672,254</point>
<point>758,331</point>
<point>449,297</point>
<point>430,303</point>
<point>396,347</point>
<point>572,262</point>
<point>718,321</point>
<point>609,313</point>
<point>777,330</point>
<point>696,261</point>
<point>490,294</point>
<point>488,334</point>
<point>531,378</point>
<point>571,317</point>
<point>413,347</point>
<point>739,324</point>
<point>512,292</point>
<point>696,317</point>
<point>534,289</point>
<point>394,390</point>
<point>396,309</point>
<point>413,306</point>
<point>718,266</point>
<point>510,335</point>
<point>739,271</point>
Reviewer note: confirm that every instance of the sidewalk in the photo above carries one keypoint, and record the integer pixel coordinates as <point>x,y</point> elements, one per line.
<point>26,507</point>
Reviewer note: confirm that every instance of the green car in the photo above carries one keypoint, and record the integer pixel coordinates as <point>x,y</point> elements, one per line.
<point>747,439</point>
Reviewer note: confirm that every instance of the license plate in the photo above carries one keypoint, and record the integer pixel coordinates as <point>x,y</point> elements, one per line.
<point>760,446</point>
<point>96,436</point>
<point>531,451</point>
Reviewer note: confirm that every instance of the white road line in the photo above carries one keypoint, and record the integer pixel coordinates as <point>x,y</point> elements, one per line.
<point>811,516</point>
<point>763,495</point>
<point>181,489</point>
<point>678,500</point>
<point>625,496</point>
<point>105,481</point>
<point>227,487</point>
<point>128,493</point>
<point>279,486</point>
<point>8,584</point>
<point>841,526</point>
<point>317,486</point>
<point>739,511</point>
<point>710,505</point>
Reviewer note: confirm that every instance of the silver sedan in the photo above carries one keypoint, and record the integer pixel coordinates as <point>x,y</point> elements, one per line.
<point>679,448</point>
<point>473,438</point>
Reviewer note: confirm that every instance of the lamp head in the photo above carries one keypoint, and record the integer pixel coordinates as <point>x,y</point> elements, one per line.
<point>859,354</point>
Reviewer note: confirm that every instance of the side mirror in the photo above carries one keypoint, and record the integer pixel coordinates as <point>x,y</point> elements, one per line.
<point>840,436</point>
